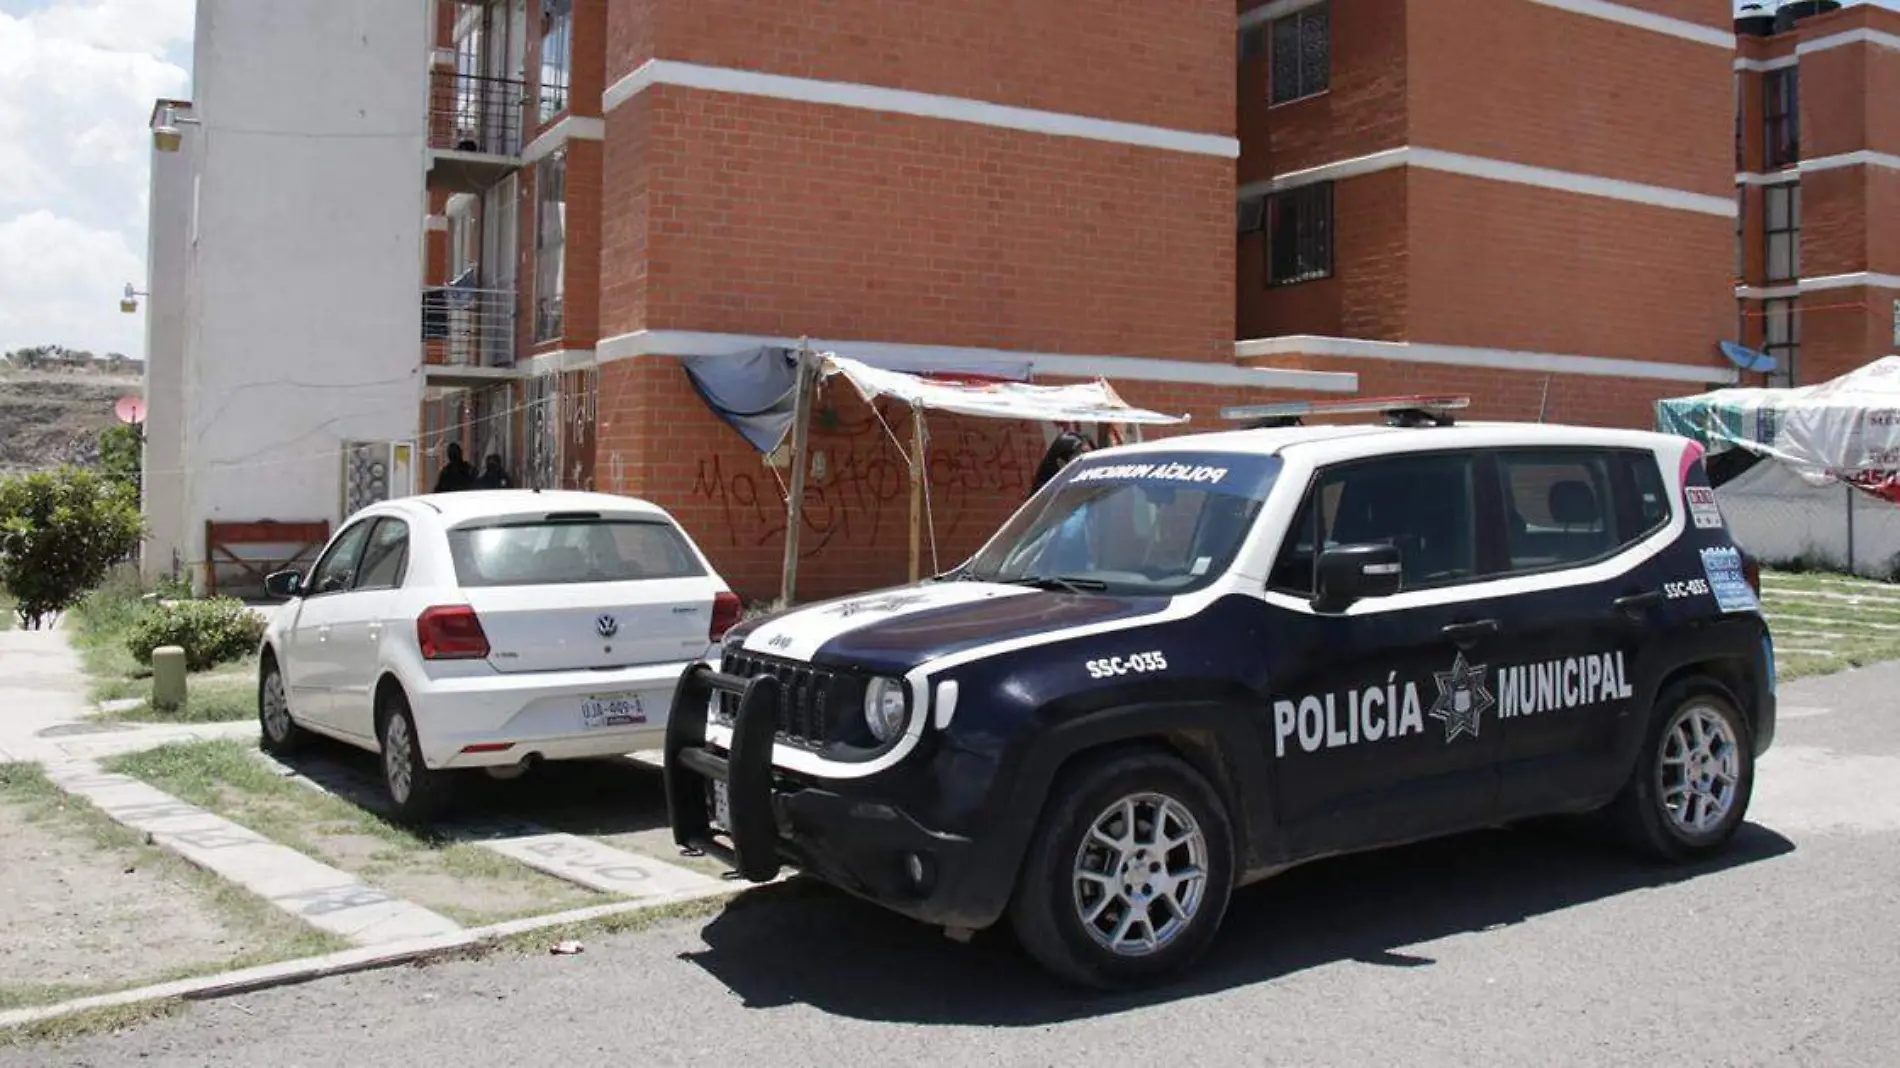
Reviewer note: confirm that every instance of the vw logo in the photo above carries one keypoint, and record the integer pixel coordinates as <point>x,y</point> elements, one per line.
<point>607,626</point>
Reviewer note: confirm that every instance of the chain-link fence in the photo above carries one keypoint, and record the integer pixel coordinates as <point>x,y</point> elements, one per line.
<point>1781,520</point>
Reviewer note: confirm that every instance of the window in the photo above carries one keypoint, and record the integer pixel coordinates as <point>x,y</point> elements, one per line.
<point>1559,508</point>
<point>557,53</point>
<point>1741,232</point>
<point>1782,115</point>
<point>1649,499</point>
<point>1781,338</point>
<point>336,572</point>
<point>385,556</point>
<point>1423,504</point>
<point>556,551</point>
<point>550,244</point>
<point>1302,55</point>
<point>1782,231</point>
<point>1169,524</point>
<point>1300,234</point>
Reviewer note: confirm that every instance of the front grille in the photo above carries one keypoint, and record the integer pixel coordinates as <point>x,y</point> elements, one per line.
<point>806,715</point>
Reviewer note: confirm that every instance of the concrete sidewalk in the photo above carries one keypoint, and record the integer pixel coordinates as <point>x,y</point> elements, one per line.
<point>43,707</point>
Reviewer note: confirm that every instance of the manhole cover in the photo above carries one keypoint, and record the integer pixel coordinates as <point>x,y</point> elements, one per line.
<point>67,729</point>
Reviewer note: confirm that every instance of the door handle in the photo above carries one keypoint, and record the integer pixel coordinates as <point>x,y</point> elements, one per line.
<point>1634,601</point>
<point>1466,633</point>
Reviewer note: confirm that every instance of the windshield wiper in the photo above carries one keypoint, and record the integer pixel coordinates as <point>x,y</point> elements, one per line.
<point>1072,583</point>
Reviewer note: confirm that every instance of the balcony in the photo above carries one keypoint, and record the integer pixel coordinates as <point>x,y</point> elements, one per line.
<point>475,129</point>
<point>468,328</point>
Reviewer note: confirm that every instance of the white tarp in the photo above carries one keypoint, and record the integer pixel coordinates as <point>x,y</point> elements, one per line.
<point>1092,402</point>
<point>1845,429</point>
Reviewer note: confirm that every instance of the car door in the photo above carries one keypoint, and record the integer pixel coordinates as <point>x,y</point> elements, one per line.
<point>1575,521</point>
<point>1380,717</point>
<point>312,668</point>
<point>358,620</point>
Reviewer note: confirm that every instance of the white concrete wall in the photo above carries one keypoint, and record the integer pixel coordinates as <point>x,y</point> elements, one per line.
<point>167,245</point>
<point>304,318</point>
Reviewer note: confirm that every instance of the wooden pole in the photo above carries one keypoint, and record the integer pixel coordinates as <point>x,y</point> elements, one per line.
<point>801,437</point>
<point>916,489</point>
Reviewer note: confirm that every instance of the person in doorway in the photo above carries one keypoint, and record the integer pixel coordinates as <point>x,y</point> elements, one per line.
<point>1062,452</point>
<point>493,476</point>
<point>457,474</point>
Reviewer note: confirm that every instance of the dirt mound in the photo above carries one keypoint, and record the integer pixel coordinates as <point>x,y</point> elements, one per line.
<point>48,418</point>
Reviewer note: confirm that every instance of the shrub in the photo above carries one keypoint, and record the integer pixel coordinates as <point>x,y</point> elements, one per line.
<point>122,454</point>
<point>211,632</point>
<point>60,533</point>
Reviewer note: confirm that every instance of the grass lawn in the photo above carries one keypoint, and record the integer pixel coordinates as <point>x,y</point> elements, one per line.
<point>1823,623</point>
<point>460,880</point>
<point>87,897</point>
<point>99,626</point>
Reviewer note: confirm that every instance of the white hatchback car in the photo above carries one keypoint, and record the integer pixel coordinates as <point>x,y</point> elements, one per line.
<point>489,629</point>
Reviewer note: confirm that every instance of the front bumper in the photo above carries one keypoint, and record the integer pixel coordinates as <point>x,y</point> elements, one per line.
<point>852,840</point>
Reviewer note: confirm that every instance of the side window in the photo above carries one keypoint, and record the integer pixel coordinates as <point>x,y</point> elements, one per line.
<point>336,572</point>
<point>1649,499</point>
<point>1423,504</point>
<point>385,556</point>
<point>1559,508</point>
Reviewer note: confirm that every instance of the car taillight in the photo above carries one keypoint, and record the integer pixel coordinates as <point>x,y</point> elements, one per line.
<point>451,632</point>
<point>727,608</point>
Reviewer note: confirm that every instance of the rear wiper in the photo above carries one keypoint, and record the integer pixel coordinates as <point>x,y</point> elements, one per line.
<point>1073,584</point>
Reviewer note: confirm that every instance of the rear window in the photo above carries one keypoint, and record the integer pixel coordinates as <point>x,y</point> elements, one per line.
<point>564,551</point>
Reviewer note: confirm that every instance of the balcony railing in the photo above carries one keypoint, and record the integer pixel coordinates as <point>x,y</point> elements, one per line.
<point>476,113</point>
<point>468,327</point>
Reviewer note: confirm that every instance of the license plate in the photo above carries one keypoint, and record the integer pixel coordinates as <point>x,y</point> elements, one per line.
<point>722,805</point>
<point>612,710</point>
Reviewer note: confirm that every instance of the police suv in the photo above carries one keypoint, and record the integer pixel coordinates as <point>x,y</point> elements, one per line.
<point>1189,664</point>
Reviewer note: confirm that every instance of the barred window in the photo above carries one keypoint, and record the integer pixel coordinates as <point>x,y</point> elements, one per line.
<point>1782,115</point>
<point>1300,234</point>
<point>1302,54</point>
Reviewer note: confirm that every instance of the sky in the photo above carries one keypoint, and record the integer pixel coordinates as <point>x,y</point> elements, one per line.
<point>77,81</point>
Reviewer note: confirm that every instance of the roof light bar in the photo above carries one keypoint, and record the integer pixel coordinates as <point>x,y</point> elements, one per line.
<point>1290,412</point>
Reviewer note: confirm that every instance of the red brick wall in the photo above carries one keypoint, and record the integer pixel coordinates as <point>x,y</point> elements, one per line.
<point>626,217</point>
<point>1171,65</point>
<point>1363,110</point>
<point>1883,218</point>
<point>1834,105</point>
<point>1571,92</point>
<point>789,219</point>
<point>1842,329</point>
<point>581,285</point>
<point>1834,221</point>
<point>1585,400</point>
<point>1367,295</point>
<point>1516,267</point>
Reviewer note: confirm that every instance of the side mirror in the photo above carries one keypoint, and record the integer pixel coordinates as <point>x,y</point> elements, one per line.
<point>1351,573</point>
<point>284,584</point>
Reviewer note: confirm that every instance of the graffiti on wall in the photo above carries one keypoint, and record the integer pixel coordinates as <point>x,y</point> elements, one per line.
<point>858,491</point>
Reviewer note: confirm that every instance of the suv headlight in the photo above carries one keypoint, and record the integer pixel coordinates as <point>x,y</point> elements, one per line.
<point>884,708</point>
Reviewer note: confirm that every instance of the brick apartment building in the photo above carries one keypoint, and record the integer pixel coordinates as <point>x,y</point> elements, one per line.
<point>615,185</point>
<point>1817,155</point>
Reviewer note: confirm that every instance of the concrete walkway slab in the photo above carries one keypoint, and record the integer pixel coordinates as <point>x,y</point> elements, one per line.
<point>569,857</point>
<point>314,892</point>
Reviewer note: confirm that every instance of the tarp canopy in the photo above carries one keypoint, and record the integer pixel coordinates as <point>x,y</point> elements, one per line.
<point>754,391</point>
<point>1089,402</point>
<point>1846,429</point>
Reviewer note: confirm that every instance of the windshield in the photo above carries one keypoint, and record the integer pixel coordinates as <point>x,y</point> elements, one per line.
<point>560,551</point>
<point>1157,523</point>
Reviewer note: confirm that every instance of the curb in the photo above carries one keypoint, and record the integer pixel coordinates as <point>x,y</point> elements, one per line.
<point>346,962</point>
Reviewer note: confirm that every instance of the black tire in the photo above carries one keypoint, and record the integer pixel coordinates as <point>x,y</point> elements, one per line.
<point>417,793</point>
<point>1643,812</point>
<point>277,732</point>
<point>1046,910</point>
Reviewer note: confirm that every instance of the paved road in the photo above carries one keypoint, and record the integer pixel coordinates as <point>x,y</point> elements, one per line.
<point>1505,948</point>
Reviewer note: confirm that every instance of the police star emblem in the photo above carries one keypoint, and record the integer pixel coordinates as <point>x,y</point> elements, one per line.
<point>1462,698</point>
